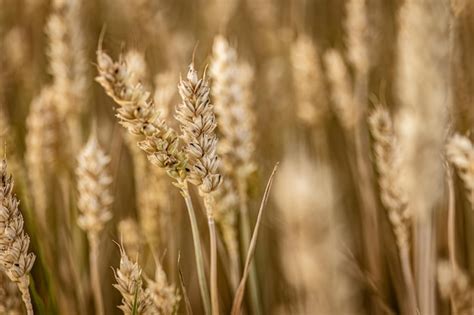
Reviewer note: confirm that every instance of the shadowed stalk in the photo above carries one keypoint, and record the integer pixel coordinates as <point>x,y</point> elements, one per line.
<point>197,247</point>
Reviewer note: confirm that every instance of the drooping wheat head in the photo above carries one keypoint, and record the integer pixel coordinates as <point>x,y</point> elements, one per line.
<point>138,114</point>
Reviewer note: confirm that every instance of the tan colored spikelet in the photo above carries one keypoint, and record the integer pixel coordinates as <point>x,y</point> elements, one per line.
<point>93,182</point>
<point>10,301</point>
<point>138,114</point>
<point>14,242</point>
<point>232,93</point>
<point>454,284</point>
<point>131,236</point>
<point>386,160</point>
<point>341,89</point>
<point>130,285</point>
<point>308,82</point>
<point>164,296</point>
<point>357,30</point>
<point>460,152</point>
<point>198,123</point>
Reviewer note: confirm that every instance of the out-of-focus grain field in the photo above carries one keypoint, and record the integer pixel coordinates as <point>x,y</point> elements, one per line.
<point>236,157</point>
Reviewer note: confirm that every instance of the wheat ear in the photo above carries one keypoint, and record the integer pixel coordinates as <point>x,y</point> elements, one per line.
<point>93,182</point>
<point>15,260</point>
<point>392,195</point>
<point>135,300</point>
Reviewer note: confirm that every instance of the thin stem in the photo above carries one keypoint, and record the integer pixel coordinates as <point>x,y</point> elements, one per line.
<point>245,232</point>
<point>208,202</point>
<point>409,280</point>
<point>23,285</point>
<point>197,248</point>
<point>95,274</point>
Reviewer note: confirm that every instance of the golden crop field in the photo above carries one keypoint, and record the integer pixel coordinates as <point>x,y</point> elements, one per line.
<point>300,157</point>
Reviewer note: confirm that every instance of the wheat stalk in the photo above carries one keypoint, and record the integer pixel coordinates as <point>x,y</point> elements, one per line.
<point>15,260</point>
<point>93,182</point>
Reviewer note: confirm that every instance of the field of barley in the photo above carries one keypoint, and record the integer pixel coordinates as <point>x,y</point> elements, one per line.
<point>242,157</point>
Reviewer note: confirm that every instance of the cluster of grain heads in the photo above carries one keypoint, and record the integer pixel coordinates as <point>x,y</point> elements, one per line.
<point>15,260</point>
<point>95,199</point>
<point>309,82</point>
<point>460,152</point>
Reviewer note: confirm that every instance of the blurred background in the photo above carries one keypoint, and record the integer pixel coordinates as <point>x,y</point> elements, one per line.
<point>341,91</point>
